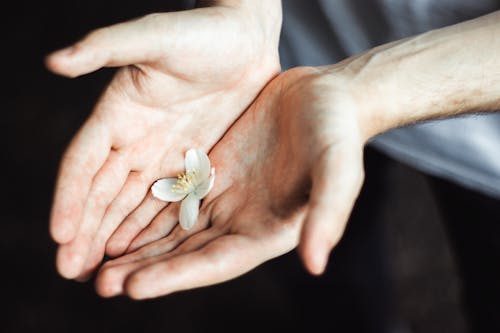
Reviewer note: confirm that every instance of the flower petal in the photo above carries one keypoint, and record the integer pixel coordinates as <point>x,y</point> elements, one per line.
<point>162,189</point>
<point>190,208</point>
<point>197,160</point>
<point>205,187</point>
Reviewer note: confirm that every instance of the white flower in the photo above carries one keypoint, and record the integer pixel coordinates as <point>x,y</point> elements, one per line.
<point>190,186</point>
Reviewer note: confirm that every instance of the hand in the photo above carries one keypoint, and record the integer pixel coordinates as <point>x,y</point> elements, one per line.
<point>291,167</point>
<point>188,76</point>
<point>295,155</point>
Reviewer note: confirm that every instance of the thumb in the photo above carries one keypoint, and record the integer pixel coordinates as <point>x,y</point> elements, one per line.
<point>336,182</point>
<point>133,42</point>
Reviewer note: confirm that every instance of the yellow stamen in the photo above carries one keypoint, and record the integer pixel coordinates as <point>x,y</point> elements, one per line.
<point>186,181</point>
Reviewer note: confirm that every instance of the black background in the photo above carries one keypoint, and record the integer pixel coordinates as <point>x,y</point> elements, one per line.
<point>394,267</point>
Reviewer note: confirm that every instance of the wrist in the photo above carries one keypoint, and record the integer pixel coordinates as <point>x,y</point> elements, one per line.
<point>367,83</point>
<point>354,98</point>
<point>397,84</point>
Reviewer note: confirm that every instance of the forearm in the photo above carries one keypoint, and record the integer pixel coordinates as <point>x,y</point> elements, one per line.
<point>445,72</point>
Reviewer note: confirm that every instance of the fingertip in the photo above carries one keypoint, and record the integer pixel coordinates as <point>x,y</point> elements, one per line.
<point>60,62</point>
<point>92,262</point>
<point>317,263</point>
<point>68,264</point>
<point>314,259</point>
<point>133,288</point>
<point>107,283</point>
<point>314,247</point>
<point>62,233</point>
<point>50,62</point>
<point>76,60</point>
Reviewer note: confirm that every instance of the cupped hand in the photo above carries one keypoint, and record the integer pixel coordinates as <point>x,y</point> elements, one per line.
<point>288,170</point>
<point>187,77</point>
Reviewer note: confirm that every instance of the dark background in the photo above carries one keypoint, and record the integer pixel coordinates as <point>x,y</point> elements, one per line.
<point>394,268</point>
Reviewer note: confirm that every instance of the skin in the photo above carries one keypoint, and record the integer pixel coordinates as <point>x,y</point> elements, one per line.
<point>275,168</point>
<point>288,171</point>
<point>182,72</point>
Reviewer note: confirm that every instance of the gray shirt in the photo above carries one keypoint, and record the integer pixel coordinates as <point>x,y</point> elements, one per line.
<point>465,150</point>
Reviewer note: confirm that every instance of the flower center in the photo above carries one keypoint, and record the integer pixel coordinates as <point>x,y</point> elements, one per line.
<point>186,182</point>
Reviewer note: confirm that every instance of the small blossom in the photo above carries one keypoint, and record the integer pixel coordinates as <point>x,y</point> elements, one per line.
<point>190,186</point>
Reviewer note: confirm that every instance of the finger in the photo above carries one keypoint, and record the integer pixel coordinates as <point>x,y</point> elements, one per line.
<point>337,180</point>
<point>84,157</point>
<point>105,187</point>
<point>133,224</point>
<point>220,260</point>
<point>174,233</point>
<point>110,279</point>
<point>134,42</point>
<point>175,242</point>
<point>127,200</point>
<point>167,224</point>
<point>160,227</point>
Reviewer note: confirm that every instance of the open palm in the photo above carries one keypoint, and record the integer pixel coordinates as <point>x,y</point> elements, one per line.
<point>187,77</point>
<point>292,163</point>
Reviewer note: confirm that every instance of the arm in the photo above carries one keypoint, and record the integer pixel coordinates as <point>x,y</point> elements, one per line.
<point>445,72</point>
<point>291,167</point>
<point>442,73</point>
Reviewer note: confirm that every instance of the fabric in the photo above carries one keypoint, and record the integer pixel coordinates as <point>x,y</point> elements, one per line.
<point>464,150</point>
